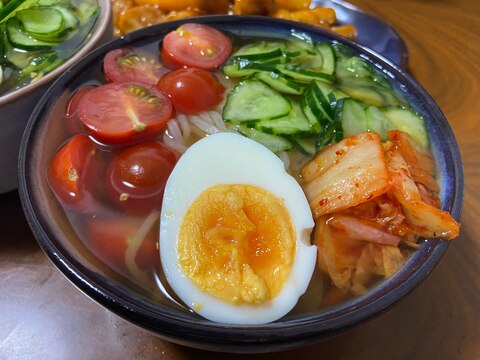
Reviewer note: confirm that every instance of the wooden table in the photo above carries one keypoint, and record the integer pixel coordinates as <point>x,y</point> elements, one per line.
<point>43,316</point>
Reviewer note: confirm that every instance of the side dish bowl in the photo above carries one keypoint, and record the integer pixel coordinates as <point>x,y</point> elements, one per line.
<point>16,106</point>
<point>43,136</point>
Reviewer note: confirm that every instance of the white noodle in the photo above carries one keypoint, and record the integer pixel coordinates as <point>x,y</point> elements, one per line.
<point>134,244</point>
<point>174,130</point>
<point>218,120</point>
<point>174,144</point>
<point>184,125</point>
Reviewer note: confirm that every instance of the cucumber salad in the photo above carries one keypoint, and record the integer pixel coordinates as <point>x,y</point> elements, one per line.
<point>36,36</point>
<point>305,95</point>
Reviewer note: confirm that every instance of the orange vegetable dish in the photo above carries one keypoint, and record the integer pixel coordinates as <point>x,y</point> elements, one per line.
<point>130,15</point>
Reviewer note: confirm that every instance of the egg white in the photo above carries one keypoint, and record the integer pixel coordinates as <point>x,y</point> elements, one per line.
<point>229,158</point>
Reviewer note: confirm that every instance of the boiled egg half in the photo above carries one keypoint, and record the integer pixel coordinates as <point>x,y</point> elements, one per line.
<point>235,232</point>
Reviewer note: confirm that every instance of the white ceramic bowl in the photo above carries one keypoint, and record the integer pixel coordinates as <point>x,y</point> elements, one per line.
<point>16,106</point>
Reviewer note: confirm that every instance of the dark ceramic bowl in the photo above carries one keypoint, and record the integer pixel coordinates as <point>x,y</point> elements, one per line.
<point>43,135</point>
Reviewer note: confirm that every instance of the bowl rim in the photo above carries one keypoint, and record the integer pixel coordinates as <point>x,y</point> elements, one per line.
<point>200,333</point>
<point>102,24</point>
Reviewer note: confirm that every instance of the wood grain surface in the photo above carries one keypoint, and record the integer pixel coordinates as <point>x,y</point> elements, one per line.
<point>43,316</point>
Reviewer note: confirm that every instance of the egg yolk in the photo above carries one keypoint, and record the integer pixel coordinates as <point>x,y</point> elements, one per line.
<point>237,243</point>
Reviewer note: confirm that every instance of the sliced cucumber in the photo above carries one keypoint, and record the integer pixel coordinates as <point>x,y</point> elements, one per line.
<point>244,68</point>
<point>299,44</point>
<point>280,83</point>
<point>377,121</point>
<point>369,95</point>
<point>259,52</point>
<point>33,22</point>
<point>294,124</point>
<point>20,39</point>
<point>9,9</point>
<point>252,101</point>
<point>312,109</point>
<point>328,55</point>
<point>333,132</point>
<point>408,121</point>
<point>86,11</point>
<point>342,51</point>
<point>70,19</point>
<point>273,142</point>
<point>307,146</point>
<point>304,74</point>
<point>17,58</point>
<point>43,63</point>
<point>330,96</point>
<point>351,113</point>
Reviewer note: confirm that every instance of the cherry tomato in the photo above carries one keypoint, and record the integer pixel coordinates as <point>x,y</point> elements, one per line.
<point>137,176</point>
<point>111,237</point>
<point>192,90</point>
<point>68,173</point>
<point>74,124</point>
<point>196,45</point>
<point>124,113</point>
<point>129,65</point>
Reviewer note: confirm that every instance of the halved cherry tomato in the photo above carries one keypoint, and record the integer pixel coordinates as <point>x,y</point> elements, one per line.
<point>196,45</point>
<point>74,124</point>
<point>129,65</point>
<point>124,113</point>
<point>68,172</point>
<point>192,90</point>
<point>137,176</point>
<point>111,237</point>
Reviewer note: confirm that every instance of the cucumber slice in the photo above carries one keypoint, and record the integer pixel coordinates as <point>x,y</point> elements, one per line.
<point>260,51</point>
<point>351,113</point>
<point>377,121</point>
<point>326,51</point>
<point>294,124</point>
<point>70,20</point>
<point>238,70</point>
<point>331,133</point>
<point>342,51</point>
<point>312,109</point>
<point>86,11</point>
<point>273,142</point>
<point>369,92</point>
<point>299,47</point>
<point>43,63</point>
<point>304,74</point>
<point>17,58</point>
<point>33,22</point>
<point>328,97</point>
<point>20,39</point>
<point>368,95</point>
<point>10,9</point>
<point>245,68</point>
<point>307,146</point>
<point>252,101</point>
<point>280,83</point>
<point>408,121</point>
